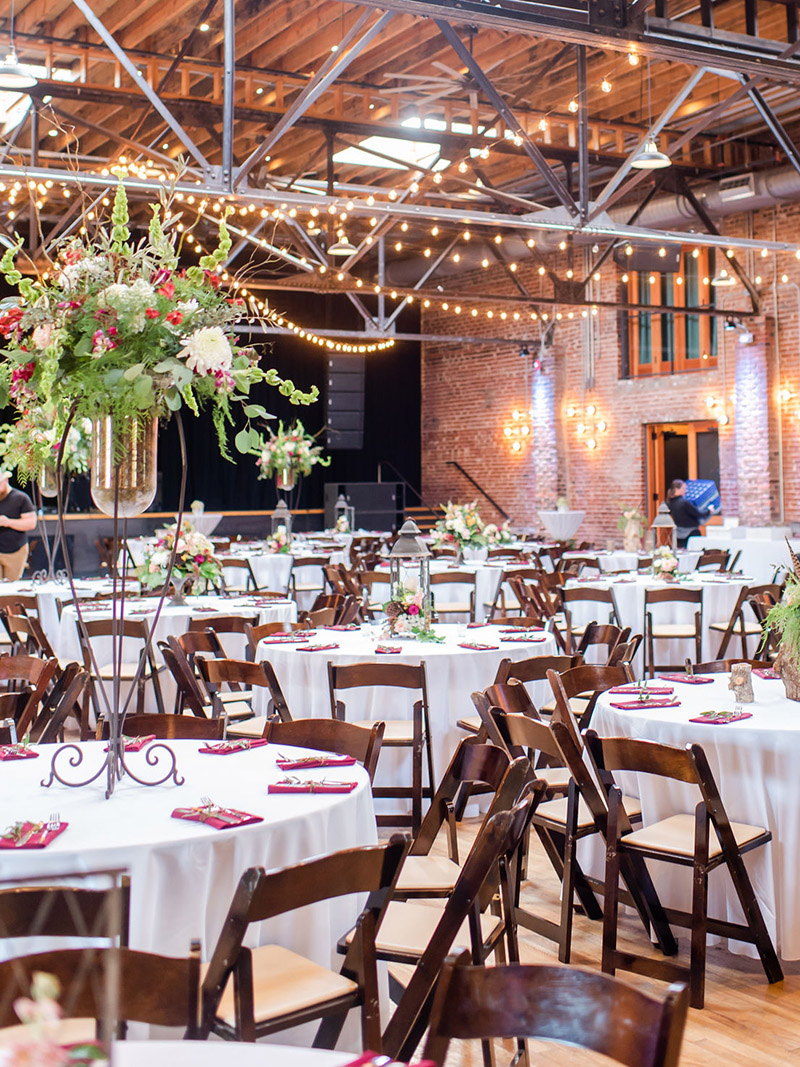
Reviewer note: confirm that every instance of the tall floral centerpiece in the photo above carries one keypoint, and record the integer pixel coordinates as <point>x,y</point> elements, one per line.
<point>286,454</point>
<point>194,560</point>
<point>119,334</point>
<point>115,331</point>
<point>784,620</point>
<point>460,528</point>
<point>633,523</point>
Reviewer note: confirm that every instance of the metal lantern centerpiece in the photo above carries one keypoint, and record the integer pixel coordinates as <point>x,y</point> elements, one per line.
<point>664,529</point>
<point>281,517</point>
<point>343,509</point>
<point>410,583</point>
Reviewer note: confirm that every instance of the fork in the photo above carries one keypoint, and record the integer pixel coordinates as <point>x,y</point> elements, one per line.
<point>219,813</point>
<point>54,822</point>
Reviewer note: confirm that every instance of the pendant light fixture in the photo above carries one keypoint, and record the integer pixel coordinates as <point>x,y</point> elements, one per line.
<point>649,156</point>
<point>342,247</point>
<point>723,278</point>
<point>14,75</point>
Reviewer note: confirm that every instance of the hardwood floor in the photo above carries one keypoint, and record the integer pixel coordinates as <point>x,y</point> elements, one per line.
<point>745,1023</point>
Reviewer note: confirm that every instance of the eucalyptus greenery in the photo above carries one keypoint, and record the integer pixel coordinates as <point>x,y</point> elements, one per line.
<point>784,618</point>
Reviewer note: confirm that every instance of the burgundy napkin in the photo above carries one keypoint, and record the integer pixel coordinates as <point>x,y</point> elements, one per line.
<point>9,752</point>
<point>765,672</point>
<point>688,679</point>
<point>345,626</point>
<point>223,819</point>
<point>312,787</point>
<point>309,762</point>
<point>623,581</point>
<point>224,748</point>
<point>475,625</point>
<point>369,1057</point>
<point>283,639</point>
<point>205,611</point>
<point>634,691</point>
<point>136,744</point>
<point>721,718</point>
<point>40,839</point>
<point>266,602</point>
<point>640,705</point>
<point>476,647</point>
<point>315,648</point>
<point>387,650</point>
<point>515,630</point>
<point>527,639</point>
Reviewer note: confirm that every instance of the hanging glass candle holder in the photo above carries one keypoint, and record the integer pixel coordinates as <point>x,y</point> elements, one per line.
<point>124,454</point>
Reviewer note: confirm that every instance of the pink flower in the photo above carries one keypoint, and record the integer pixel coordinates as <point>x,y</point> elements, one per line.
<point>413,609</point>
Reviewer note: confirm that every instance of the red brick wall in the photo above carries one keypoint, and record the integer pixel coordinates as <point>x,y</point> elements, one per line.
<point>469,391</point>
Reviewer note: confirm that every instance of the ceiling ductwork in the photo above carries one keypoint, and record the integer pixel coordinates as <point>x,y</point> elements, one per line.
<point>729,196</point>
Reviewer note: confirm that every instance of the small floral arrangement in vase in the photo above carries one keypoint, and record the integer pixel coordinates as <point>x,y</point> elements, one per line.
<point>32,443</point>
<point>498,535</point>
<point>287,453</point>
<point>784,619</point>
<point>665,564</point>
<point>632,522</point>
<point>194,558</point>
<point>40,1047</point>
<point>279,542</point>
<point>342,525</point>
<point>461,527</point>
<point>408,615</point>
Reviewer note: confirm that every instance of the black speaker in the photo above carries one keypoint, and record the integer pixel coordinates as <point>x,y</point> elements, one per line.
<point>378,505</point>
<point>345,401</point>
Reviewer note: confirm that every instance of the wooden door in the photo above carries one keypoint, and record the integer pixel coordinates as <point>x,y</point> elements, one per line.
<point>678,450</point>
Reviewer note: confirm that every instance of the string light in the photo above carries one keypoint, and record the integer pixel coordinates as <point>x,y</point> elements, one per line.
<point>572,107</point>
<point>328,342</point>
<point>606,86</point>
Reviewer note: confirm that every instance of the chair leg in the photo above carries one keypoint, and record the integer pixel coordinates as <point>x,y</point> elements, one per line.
<point>611,903</point>
<point>697,973</point>
<point>416,778</point>
<point>754,918</point>
<point>568,882</point>
<point>650,655</point>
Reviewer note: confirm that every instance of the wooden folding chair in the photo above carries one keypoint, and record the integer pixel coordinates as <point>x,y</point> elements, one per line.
<point>248,582</point>
<point>589,594</point>
<point>251,992</point>
<point>142,669</point>
<point>671,631</point>
<point>570,1006</point>
<point>737,625</point>
<point>363,743</point>
<point>713,559</point>
<point>685,839</point>
<point>168,727</point>
<point>32,674</point>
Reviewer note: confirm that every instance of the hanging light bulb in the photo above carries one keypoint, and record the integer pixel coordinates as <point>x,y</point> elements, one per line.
<point>572,107</point>
<point>606,86</point>
<point>649,157</point>
<point>723,278</point>
<point>342,247</point>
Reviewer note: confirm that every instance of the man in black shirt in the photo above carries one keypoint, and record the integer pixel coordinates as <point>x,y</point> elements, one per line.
<point>685,515</point>
<point>17,516</point>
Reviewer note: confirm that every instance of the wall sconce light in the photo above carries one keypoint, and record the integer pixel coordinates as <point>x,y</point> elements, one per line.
<point>591,444</point>
<point>785,395</point>
<point>591,425</point>
<point>518,429</point>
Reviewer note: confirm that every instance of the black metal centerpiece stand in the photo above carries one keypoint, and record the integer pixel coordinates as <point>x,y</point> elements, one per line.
<point>158,755</point>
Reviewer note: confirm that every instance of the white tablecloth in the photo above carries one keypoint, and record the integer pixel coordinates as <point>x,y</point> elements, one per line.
<point>47,593</point>
<point>453,673</point>
<point>183,874</point>
<point>719,597</point>
<point>222,1054</point>
<point>760,555</point>
<point>562,525</point>
<point>619,560</point>
<point>754,762</point>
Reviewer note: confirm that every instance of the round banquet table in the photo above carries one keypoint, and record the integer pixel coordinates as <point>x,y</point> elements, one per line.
<point>223,1054</point>
<point>619,560</point>
<point>561,524</point>
<point>759,555</point>
<point>719,598</point>
<point>183,874</point>
<point>754,762</point>
<point>47,593</point>
<point>453,674</point>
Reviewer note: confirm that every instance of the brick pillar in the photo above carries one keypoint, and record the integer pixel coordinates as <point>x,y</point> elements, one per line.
<point>756,428</point>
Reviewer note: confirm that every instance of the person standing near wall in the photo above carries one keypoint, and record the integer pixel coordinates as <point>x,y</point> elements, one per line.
<point>17,516</point>
<point>686,516</point>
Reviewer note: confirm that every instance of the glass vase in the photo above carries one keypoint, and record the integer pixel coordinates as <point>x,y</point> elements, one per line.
<point>48,481</point>
<point>284,479</point>
<point>124,453</point>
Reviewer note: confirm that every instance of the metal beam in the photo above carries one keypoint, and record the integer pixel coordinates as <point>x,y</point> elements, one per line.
<point>110,41</point>
<point>557,187</point>
<point>349,49</point>
<point>655,129</point>
<point>773,123</point>
<point>677,42</point>
<point>419,284</point>
<point>366,338</point>
<point>113,135</point>
<point>228,90</point>
<point>456,216</point>
<point>583,133</point>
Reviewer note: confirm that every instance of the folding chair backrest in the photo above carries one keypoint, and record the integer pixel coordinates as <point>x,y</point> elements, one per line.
<point>363,743</point>
<point>567,1005</point>
<point>63,700</point>
<point>520,732</point>
<point>232,672</point>
<point>369,675</point>
<point>64,911</point>
<point>191,693</point>
<point>168,727</point>
<point>535,668</point>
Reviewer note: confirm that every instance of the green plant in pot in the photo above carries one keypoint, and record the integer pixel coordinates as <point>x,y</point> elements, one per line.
<point>784,619</point>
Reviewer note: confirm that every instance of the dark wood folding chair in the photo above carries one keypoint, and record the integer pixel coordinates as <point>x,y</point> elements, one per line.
<point>65,911</point>
<point>499,602</point>
<point>446,604</point>
<point>225,624</point>
<point>33,675</point>
<point>254,634</point>
<point>248,582</point>
<point>625,651</point>
<point>251,992</point>
<point>168,727</point>
<point>66,698</point>
<point>589,594</point>
<point>719,666</point>
<point>413,733</point>
<point>671,631</point>
<point>570,1006</point>
<point>363,743</point>
<point>140,667</point>
<point>307,576</point>
<point>230,684</point>
<point>158,990</point>
<point>603,635</point>
<point>737,625</point>
<point>701,840</point>
<point>713,559</point>
<point>425,943</point>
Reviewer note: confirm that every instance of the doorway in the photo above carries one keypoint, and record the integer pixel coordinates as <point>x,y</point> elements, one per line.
<point>684,450</point>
